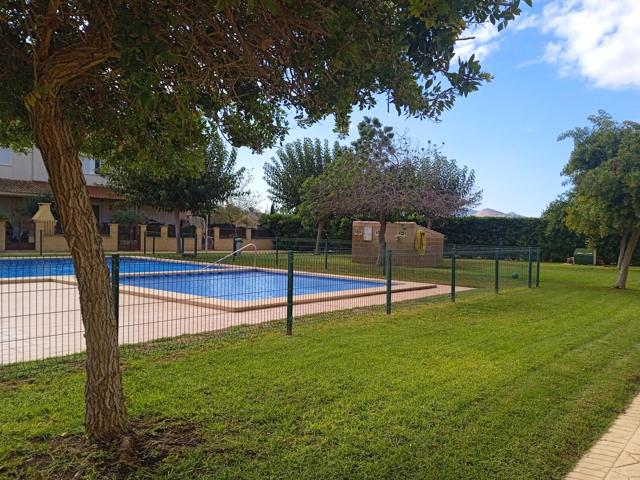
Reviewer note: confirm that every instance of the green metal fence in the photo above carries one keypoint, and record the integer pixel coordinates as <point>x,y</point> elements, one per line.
<point>169,297</point>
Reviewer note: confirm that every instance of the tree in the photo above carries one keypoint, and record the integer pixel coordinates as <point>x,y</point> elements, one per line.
<point>604,170</point>
<point>558,241</point>
<point>387,178</point>
<point>197,192</point>
<point>136,76</point>
<point>366,180</point>
<point>440,188</point>
<point>342,191</point>
<point>294,163</point>
<point>314,209</point>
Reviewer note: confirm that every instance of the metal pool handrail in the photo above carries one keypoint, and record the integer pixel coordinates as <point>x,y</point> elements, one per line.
<point>255,256</point>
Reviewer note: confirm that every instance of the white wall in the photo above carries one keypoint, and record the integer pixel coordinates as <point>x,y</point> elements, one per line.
<point>29,166</point>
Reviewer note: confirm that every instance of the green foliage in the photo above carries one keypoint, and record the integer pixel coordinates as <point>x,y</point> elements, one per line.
<point>182,190</point>
<point>294,163</point>
<point>128,217</point>
<point>521,232</point>
<point>604,170</point>
<point>384,178</point>
<point>234,215</point>
<point>286,225</point>
<point>146,68</point>
<point>558,241</point>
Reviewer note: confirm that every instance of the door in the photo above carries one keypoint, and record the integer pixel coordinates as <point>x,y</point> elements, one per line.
<point>129,238</point>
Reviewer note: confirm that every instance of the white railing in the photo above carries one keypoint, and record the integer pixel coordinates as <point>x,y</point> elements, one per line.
<point>235,252</point>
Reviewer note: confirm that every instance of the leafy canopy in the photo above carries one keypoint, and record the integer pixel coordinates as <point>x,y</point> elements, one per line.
<point>200,192</point>
<point>387,178</point>
<point>293,164</point>
<point>604,170</point>
<point>144,76</point>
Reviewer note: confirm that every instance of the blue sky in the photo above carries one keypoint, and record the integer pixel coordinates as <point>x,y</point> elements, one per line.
<point>560,62</point>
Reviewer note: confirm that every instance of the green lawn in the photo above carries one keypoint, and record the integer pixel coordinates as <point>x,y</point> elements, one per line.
<point>510,386</point>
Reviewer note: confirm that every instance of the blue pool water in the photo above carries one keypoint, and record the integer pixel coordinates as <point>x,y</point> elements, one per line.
<point>52,267</point>
<point>246,285</point>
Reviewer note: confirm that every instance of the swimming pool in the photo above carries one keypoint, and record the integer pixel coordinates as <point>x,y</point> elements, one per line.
<point>53,267</point>
<point>247,285</point>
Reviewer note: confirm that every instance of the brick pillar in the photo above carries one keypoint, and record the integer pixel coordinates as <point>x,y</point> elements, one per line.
<point>38,227</point>
<point>216,237</point>
<point>199,237</point>
<point>143,233</point>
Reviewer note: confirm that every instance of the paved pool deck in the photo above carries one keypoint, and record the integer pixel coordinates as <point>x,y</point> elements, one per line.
<point>40,320</point>
<point>616,456</point>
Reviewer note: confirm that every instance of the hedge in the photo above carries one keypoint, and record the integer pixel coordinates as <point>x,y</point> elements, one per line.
<point>556,242</point>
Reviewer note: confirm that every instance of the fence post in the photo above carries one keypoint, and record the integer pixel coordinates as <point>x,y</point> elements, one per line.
<point>388,263</point>
<point>496,278</point>
<point>530,267</point>
<point>453,276</point>
<point>154,244</point>
<point>115,285</point>
<point>289,292</point>
<point>277,259</point>
<point>326,254</point>
<point>41,237</point>
<point>384,263</point>
<point>537,267</point>
<point>144,243</point>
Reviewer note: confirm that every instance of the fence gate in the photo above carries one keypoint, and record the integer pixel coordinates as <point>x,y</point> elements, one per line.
<point>129,238</point>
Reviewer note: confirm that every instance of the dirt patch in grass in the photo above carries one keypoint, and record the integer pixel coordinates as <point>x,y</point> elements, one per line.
<point>71,456</point>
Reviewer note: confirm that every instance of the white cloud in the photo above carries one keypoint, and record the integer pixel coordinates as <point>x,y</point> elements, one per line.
<point>597,39</point>
<point>482,41</point>
<point>527,20</point>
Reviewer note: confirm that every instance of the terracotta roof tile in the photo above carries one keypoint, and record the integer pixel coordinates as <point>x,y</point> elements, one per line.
<point>103,193</point>
<point>32,188</point>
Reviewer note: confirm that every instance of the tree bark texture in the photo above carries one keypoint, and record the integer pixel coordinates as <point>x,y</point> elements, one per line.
<point>105,415</point>
<point>623,246</point>
<point>632,243</point>
<point>319,231</point>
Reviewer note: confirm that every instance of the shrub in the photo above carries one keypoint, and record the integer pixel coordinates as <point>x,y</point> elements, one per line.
<point>128,217</point>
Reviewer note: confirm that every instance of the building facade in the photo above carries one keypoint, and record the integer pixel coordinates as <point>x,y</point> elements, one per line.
<point>24,182</point>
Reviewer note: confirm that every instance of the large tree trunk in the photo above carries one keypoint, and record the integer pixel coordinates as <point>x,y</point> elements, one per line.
<point>321,225</point>
<point>382,244</point>
<point>632,243</point>
<point>105,415</point>
<point>176,216</point>
<point>623,246</point>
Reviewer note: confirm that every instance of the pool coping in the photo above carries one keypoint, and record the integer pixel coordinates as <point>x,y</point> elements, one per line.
<point>238,305</point>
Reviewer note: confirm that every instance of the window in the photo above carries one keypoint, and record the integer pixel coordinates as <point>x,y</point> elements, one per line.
<point>6,157</point>
<point>90,166</point>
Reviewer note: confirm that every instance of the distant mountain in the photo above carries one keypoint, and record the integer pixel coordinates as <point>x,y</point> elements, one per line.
<point>489,212</point>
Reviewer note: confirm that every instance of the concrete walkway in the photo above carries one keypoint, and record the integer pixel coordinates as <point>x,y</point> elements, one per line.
<point>616,456</point>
